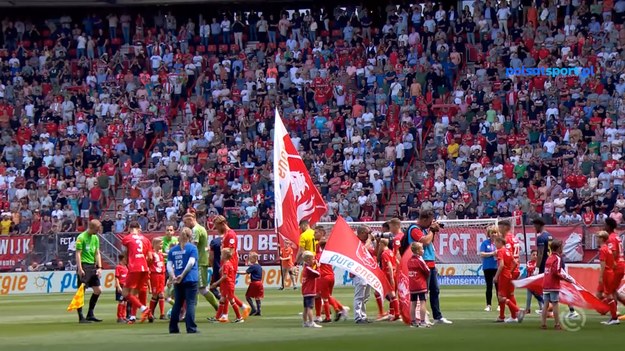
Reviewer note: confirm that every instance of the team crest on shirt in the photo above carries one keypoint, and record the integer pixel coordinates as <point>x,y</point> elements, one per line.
<point>365,257</point>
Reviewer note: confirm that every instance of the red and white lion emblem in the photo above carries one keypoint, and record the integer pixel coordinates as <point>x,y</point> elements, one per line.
<point>365,257</point>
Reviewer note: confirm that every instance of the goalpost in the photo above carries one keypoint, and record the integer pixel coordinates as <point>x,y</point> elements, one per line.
<point>457,245</point>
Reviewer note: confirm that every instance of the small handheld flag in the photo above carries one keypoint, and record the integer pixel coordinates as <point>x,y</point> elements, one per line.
<point>78,300</point>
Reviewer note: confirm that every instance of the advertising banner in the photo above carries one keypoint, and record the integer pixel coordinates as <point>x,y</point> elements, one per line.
<point>14,249</point>
<point>55,282</point>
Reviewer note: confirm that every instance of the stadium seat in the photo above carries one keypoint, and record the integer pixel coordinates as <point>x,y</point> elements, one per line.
<point>212,49</point>
<point>48,43</point>
<point>197,39</point>
<point>200,49</point>
<point>223,48</point>
<point>260,46</point>
<point>234,48</point>
<point>26,44</point>
<point>336,33</point>
<point>116,41</point>
<point>324,33</point>
<point>272,46</point>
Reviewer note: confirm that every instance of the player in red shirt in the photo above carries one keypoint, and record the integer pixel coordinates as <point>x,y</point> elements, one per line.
<point>418,277</point>
<point>388,264</point>
<point>139,252</point>
<point>554,273</point>
<point>157,277</point>
<point>229,241</point>
<point>226,286</point>
<point>121,271</point>
<point>503,279</point>
<point>607,286</point>
<point>325,286</point>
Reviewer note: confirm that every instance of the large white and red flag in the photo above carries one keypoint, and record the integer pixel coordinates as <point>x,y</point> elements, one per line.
<point>571,294</point>
<point>296,196</point>
<point>344,250</point>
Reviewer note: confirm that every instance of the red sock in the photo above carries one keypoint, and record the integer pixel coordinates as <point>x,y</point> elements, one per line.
<point>161,305</point>
<point>143,297</point>
<point>335,304</point>
<point>613,309</point>
<point>153,304</point>
<point>220,310</point>
<point>513,299</point>
<point>317,307</point>
<point>237,301</point>
<point>326,309</point>
<point>395,307</point>
<point>237,312</point>
<point>380,302</point>
<point>502,310</point>
<point>121,310</point>
<point>224,311</point>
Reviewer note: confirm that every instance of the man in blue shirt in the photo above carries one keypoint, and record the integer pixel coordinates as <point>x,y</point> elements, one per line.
<point>182,266</point>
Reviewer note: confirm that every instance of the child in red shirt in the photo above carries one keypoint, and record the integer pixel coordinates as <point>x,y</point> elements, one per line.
<point>226,286</point>
<point>309,289</point>
<point>418,277</point>
<point>554,273</point>
<point>121,271</point>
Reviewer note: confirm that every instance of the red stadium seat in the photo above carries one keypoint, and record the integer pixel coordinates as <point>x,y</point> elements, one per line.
<point>200,49</point>
<point>272,46</point>
<point>197,39</point>
<point>340,43</point>
<point>212,48</point>
<point>191,49</point>
<point>223,48</point>
<point>45,33</point>
<point>116,41</point>
<point>234,48</point>
<point>324,33</point>
<point>260,46</point>
<point>48,43</point>
<point>26,44</point>
<point>336,33</point>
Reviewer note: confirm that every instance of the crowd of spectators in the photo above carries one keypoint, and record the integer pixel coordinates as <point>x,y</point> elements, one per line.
<point>143,117</point>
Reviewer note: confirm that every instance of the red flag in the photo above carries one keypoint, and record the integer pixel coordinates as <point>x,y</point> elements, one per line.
<point>403,288</point>
<point>344,250</point>
<point>296,196</point>
<point>570,293</point>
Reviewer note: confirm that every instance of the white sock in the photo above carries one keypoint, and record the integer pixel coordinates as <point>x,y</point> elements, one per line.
<point>143,308</point>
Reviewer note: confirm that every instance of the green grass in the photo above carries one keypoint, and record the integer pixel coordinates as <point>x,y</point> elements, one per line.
<point>41,323</point>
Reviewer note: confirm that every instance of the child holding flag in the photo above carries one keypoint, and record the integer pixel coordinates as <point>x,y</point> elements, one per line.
<point>554,273</point>
<point>418,277</point>
<point>309,289</point>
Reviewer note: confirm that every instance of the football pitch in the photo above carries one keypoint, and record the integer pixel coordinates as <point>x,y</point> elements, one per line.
<point>40,322</point>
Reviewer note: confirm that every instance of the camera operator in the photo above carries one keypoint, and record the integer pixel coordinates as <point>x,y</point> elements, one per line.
<point>424,232</point>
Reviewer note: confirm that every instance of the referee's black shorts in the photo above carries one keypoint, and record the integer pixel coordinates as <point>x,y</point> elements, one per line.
<point>90,279</point>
